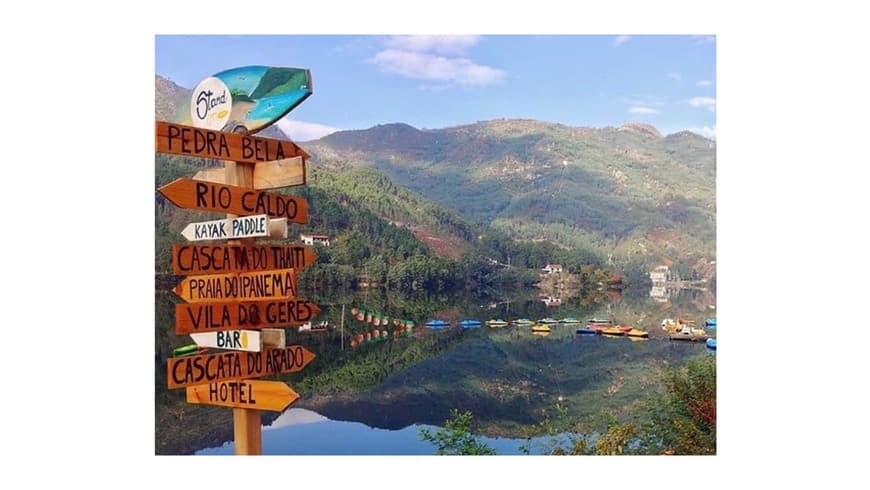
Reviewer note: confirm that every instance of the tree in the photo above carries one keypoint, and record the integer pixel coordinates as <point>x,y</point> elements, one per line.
<point>684,418</point>
<point>456,437</point>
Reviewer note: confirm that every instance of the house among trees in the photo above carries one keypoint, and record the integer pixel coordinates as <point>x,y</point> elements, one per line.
<point>551,301</point>
<point>315,239</point>
<point>660,274</point>
<point>552,269</point>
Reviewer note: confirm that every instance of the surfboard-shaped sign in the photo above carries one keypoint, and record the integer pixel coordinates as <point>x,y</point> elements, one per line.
<point>245,99</point>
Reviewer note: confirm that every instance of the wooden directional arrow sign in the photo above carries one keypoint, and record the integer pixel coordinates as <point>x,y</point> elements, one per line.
<point>208,196</point>
<point>250,393</point>
<point>189,141</point>
<point>275,284</point>
<point>214,317</point>
<point>210,368</point>
<point>246,340</point>
<point>235,228</point>
<point>221,259</point>
<point>276,174</point>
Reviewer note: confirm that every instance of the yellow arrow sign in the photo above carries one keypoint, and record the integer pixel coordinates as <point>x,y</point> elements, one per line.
<point>249,393</point>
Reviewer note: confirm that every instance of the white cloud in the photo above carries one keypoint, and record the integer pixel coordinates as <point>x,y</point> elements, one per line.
<point>424,66</point>
<point>643,110</point>
<point>304,131</point>
<point>708,102</point>
<point>675,75</point>
<point>705,131</point>
<point>432,44</point>
<point>620,40</point>
<point>704,83</point>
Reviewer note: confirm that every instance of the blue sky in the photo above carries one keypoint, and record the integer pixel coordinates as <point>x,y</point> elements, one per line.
<point>440,81</point>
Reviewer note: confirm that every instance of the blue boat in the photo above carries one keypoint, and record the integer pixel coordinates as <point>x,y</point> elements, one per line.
<point>437,324</point>
<point>470,324</point>
<point>710,323</point>
<point>711,343</point>
<point>586,331</point>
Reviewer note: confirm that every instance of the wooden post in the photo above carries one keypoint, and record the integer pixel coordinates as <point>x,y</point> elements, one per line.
<point>247,430</point>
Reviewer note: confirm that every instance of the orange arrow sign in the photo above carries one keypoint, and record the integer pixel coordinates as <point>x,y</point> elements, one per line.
<point>209,368</point>
<point>261,395</point>
<point>257,285</point>
<point>243,201</point>
<point>231,315</point>
<point>221,259</point>
<point>198,142</point>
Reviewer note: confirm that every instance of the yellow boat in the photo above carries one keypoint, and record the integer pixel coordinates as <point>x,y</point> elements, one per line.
<point>612,331</point>
<point>634,332</point>
<point>542,334</point>
<point>540,328</point>
<point>497,323</point>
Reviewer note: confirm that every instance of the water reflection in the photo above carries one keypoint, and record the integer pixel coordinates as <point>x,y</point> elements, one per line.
<point>510,377</point>
<point>303,432</point>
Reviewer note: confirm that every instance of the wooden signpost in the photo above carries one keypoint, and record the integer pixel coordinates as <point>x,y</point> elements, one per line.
<point>208,368</point>
<point>267,175</point>
<point>241,227</point>
<point>230,315</point>
<point>237,286</point>
<point>245,340</point>
<point>240,286</point>
<point>178,139</point>
<point>259,395</point>
<point>208,196</point>
<point>220,259</point>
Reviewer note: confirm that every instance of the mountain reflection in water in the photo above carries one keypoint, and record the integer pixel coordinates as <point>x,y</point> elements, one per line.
<point>303,432</point>
<point>374,398</point>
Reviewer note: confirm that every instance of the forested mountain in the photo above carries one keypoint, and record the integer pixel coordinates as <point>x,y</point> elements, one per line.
<point>519,191</point>
<point>626,193</point>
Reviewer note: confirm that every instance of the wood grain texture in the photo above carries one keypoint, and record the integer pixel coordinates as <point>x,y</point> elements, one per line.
<point>274,338</point>
<point>240,286</point>
<point>178,139</point>
<point>277,174</point>
<point>185,371</point>
<point>247,432</point>
<point>220,259</point>
<point>234,200</point>
<point>231,315</point>
<point>251,393</point>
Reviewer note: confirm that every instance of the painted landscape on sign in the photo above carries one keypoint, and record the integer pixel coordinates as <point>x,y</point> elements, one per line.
<point>261,95</point>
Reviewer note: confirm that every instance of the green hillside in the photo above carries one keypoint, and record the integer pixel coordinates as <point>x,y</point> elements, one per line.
<point>625,192</point>
<point>508,191</point>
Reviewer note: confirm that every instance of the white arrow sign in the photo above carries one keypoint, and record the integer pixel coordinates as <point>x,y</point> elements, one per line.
<point>246,340</point>
<point>234,228</point>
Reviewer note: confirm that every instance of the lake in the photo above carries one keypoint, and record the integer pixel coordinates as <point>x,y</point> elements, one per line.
<point>373,398</point>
